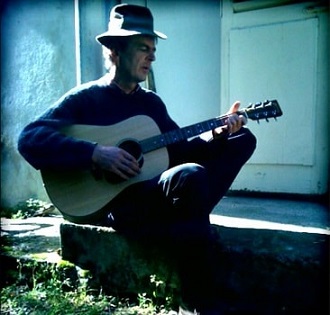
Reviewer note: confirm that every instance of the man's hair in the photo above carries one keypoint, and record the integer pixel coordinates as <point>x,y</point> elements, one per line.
<point>115,44</point>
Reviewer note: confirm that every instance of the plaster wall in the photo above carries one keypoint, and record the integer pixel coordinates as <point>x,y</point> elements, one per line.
<point>37,67</point>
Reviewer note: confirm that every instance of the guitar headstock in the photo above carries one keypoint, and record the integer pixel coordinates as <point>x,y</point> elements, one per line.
<point>264,110</point>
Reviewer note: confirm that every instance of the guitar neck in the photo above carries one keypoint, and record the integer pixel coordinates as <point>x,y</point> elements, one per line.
<point>258,111</point>
<point>182,134</point>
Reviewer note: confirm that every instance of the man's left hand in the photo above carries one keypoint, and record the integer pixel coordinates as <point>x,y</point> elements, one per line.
<point>234,122</point>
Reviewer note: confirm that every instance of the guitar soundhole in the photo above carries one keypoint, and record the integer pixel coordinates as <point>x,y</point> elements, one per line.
<point>133,148</point>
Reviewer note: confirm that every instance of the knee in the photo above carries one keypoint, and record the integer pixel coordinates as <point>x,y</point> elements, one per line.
<point>181,173</point>
<point>185,188</point>
<point>193,169</point>
<point>244,141</point>
<point>196,174</point>
<point>185,179</point>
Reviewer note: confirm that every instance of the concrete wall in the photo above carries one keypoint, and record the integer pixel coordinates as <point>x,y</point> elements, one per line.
<point>56,50</point>
<point>187,69</point>
<point>37,67</point>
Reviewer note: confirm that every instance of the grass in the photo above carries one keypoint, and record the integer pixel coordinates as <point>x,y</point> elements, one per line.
<point>40,288</point>
<point>25,209</point>
<point>43,288</point>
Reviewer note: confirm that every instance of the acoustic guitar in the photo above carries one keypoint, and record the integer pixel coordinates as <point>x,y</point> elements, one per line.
<point>80,194</point>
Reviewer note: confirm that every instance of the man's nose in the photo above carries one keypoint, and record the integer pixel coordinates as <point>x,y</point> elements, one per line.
<point>152,56</point>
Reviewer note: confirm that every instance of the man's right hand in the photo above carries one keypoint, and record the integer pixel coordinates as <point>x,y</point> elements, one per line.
<point>116,160</point>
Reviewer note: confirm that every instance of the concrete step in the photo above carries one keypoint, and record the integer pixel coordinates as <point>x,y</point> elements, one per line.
<point>275,257</point>
<point>266,271</point>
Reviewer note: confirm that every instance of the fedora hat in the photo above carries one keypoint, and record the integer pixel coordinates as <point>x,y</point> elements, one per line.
<point>128,20</point>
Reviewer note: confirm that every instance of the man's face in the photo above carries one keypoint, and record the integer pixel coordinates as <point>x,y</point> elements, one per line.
<point>134,63</point>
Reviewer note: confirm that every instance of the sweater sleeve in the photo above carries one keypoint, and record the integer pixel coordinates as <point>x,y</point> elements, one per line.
<point>43,145</point>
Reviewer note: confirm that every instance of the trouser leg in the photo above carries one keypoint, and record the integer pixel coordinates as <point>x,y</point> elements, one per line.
<point>196,255</point>
<point>186,189</point>
<point>194,189</point>
<point>226,162</point>
<point>174,203</point>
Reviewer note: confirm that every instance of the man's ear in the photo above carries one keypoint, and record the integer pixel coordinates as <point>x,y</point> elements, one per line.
<point>115,55</point>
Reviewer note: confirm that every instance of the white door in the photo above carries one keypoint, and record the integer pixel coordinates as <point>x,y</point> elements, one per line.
<point>280,52</point>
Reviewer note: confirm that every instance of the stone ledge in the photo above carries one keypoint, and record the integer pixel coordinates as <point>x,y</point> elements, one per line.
<point>270,272</point>
<point>118,264</point>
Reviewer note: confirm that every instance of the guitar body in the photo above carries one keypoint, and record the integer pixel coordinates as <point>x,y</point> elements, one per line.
<point>78,194</point>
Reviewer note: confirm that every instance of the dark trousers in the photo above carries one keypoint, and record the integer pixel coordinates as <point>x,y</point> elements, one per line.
<point>175,206</point>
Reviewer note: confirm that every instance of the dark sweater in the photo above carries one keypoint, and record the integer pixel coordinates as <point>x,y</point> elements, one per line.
<point>94,103</point>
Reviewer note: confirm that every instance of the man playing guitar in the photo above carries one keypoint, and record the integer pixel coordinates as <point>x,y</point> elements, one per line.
<point>175,203</point>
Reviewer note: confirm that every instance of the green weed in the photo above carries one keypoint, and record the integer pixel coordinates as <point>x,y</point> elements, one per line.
<point>24,209</point>
<point>46,289</point>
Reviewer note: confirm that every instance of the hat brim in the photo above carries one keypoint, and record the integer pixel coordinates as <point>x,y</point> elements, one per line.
<point>105,37</point>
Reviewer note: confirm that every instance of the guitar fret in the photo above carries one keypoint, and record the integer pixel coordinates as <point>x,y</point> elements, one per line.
<point>197,129</point>
<point>179,136</point>
<point>187,132</point>
<point>152,143</point>
<point>212,123</point>
<point>167,138</point>
<point>175,136</point>
<point>220,121</point>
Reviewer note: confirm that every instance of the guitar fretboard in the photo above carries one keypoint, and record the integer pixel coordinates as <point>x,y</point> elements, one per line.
<point>178,135</point>
<point>265,110</point>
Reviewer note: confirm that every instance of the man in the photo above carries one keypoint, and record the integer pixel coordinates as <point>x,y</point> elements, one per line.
<point>174,205</point>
